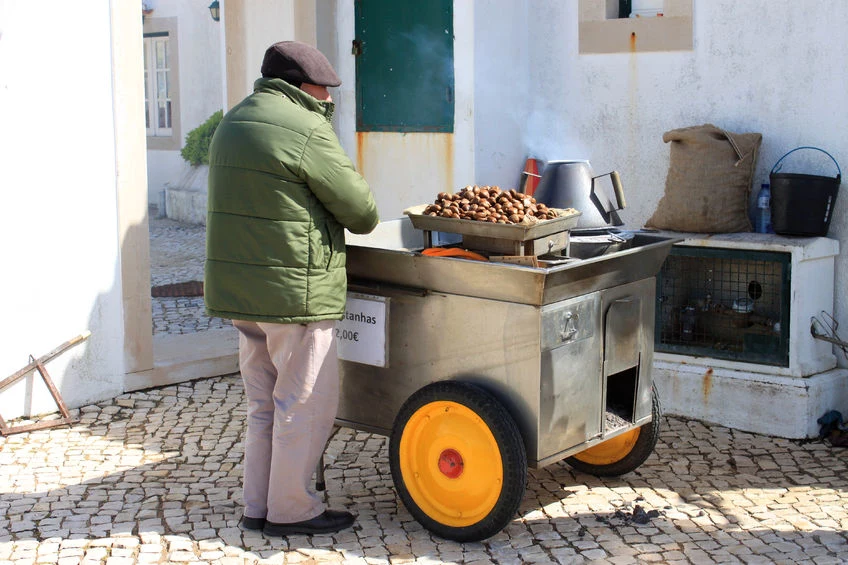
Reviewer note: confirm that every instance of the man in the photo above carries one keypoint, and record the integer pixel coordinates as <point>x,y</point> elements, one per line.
<point>281,190</point>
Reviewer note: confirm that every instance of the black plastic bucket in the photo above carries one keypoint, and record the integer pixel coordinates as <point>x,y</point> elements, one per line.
<point>802,204</point>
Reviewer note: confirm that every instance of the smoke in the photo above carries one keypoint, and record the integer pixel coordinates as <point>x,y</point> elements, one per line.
<point>422,41</point>
<point>545,137</point>
<point>540,81</point>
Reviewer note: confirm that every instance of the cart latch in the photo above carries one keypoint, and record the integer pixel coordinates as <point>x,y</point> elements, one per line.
<point>569,326</point>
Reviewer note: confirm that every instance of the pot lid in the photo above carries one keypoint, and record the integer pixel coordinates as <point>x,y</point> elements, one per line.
<point>608,237</point>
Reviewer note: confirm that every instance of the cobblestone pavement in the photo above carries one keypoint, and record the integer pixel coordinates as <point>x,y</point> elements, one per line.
<point>177,252</point>
<point>154,477</point>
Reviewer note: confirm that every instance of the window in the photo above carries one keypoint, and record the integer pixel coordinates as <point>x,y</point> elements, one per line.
<point>162,84</point>
<point>622,26</point>
<point>636,8</point>
<point>158,96</point>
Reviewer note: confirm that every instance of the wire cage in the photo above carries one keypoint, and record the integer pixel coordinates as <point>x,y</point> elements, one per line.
<point>725,304</point>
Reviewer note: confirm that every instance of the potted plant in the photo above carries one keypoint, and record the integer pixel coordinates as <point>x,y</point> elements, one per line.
<point>196,149</point>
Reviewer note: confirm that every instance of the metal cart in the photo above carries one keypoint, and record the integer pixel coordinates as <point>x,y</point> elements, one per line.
<point>478,370</point>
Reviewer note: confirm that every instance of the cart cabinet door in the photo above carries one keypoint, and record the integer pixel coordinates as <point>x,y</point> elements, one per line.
<point>570,383</point>
<point>622,335</point>
<point>628,339</point>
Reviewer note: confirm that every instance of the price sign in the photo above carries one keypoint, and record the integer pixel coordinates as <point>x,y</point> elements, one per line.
<point>361,336</point>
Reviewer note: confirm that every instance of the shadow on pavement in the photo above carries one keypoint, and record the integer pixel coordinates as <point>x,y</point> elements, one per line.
<point>156,476</point>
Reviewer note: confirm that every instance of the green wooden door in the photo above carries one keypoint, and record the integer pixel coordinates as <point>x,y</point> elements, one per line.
<point>404,65</point>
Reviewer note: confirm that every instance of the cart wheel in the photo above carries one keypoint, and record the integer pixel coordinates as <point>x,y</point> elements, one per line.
<point>623,453</point>
<point>458,461</point>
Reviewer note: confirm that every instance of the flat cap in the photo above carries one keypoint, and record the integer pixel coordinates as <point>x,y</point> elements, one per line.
<point>297,62</point>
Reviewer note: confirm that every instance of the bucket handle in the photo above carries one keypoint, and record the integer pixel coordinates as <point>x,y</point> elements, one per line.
<point>776,167</point>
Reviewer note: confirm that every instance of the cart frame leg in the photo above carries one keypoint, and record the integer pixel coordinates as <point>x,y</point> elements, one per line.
<point>320,483</point>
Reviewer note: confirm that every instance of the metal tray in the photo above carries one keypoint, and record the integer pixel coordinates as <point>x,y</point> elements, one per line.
<point>514,232</point>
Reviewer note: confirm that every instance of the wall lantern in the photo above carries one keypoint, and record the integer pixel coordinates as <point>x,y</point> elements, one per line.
<point>215,10</point>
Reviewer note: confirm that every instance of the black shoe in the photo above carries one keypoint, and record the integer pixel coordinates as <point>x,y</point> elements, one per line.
<point>249,523</point>
<point>328,522</point>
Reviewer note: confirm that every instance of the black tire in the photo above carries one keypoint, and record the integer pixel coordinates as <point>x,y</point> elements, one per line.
<point>638,454</point>
<point>440,509</point>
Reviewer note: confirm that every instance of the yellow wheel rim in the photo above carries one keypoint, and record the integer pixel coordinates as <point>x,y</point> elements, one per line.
<point>611,451</point>
<point>451,463</point>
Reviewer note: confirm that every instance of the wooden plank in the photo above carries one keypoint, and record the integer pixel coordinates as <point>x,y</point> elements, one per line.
<point>525,260</point>
<point>36,426</point>
<point>38,364</point>
<point>44,359</point>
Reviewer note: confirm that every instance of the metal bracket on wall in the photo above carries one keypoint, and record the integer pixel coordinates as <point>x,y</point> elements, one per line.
<point>38,365</point>
<point>829,331</point>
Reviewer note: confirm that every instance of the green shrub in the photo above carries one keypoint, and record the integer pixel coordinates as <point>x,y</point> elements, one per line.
<point>196,150</point>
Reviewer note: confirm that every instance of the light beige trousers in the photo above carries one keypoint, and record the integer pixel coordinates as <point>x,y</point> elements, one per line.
<point>291,378</point>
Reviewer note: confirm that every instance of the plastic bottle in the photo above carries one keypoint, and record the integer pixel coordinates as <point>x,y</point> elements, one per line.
<point>763,223</point>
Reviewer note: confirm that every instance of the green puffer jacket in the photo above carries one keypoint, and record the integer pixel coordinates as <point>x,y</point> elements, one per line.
<point>281,190</point>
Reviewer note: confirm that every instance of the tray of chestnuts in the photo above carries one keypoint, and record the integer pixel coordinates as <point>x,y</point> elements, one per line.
<point>489,211</point>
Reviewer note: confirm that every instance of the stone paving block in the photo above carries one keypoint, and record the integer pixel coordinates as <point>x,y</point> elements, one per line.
<point>120,561</point>
<point>96,553</point>
<point>594,554</point>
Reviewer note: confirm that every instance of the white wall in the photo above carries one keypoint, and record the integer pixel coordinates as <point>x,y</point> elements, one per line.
<point>58,223</point>
<point>757,66</point>
<point>163,167</point>
<point>200,82</point>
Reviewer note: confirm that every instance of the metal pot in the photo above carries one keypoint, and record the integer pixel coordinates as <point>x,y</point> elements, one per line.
<point>572,184</point>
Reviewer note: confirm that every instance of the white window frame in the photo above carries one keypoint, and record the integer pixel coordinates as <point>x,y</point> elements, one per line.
<point>154,77</point>
<point>154,28</point>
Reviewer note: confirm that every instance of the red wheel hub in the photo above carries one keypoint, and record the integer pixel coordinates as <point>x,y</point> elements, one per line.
<point>450,463</point>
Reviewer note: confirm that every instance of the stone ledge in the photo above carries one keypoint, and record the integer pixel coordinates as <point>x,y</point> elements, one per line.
<point>772,405</point>
<point>185,200</point>
<point>185,357</point>
<point>186,205</point>
<point>802,248</point>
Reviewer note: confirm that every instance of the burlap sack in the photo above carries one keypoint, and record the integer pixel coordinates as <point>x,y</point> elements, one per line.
<point>709,181</point>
